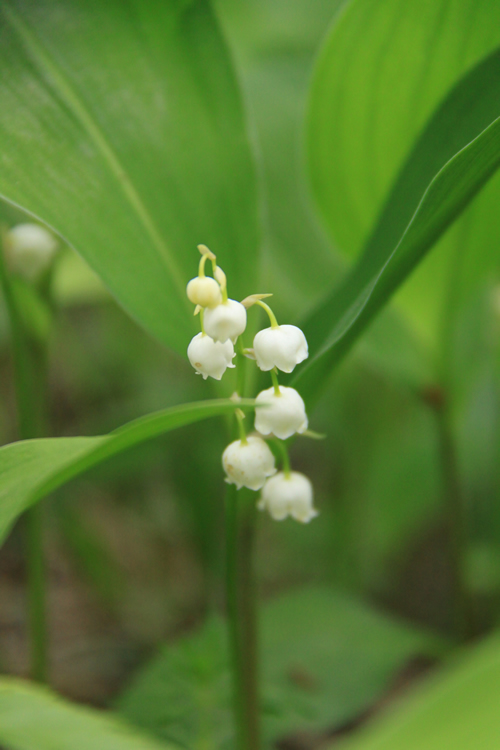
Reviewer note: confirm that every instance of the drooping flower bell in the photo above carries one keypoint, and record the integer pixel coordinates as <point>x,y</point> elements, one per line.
<point>210,358</point>
<point>30,249</point>
<point>226,321</point>
<point>288,495</point>
<point>280,346</point>
<point>248,463</point>
<point>281,414</point>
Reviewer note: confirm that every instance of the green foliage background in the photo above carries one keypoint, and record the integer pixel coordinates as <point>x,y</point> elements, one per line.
<point>345,159</point>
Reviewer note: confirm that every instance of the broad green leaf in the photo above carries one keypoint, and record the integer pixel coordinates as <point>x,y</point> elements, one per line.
<point>30,469</point>
<point>458,709</point>
<point>335,325</point>
<point>121,127</point>
<point>324,658</point>
<point>384,69</point>
<point>34,718</point>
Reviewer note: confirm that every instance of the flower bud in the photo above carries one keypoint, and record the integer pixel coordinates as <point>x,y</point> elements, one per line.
<point>248,464</point>
<point>30,249</point>
<point>204,291</point>
<point>281,415</point>
<point>210,358</point>
<point>280,346</point>
<point>290,495</point>
<point>226,321</point>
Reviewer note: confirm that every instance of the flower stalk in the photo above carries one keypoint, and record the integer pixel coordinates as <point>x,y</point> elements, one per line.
<point>249,463</point>
<point>29,370</point>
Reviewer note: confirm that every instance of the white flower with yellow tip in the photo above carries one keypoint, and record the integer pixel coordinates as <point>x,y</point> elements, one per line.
<point>248,463</point>
<point>210,358</point>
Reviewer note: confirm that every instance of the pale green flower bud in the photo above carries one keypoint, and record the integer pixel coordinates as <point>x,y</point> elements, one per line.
<point>204,291</point>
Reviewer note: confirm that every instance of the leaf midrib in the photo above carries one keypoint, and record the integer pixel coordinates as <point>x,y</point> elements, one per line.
<point>93,130</point>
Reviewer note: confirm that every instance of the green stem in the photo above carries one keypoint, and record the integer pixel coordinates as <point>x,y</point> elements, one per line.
<point>28,368</point>
<point>284,456</point>
<point>274,378</point>
<point>454,500</point>
<point>241,367</point>
<point>272,316</point>
<point>241,427</point>
<point>240,598</point>
<point>457,525</point>
<point>37,605</point>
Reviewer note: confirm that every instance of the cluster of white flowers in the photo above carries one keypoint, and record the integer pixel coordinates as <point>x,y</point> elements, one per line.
<point>280,411</point>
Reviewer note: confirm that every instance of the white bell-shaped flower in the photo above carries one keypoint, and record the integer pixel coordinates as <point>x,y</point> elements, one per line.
<point>290,495</point>
<point>30,249</point>
<point>249,463</point>
<point>204,291</point>
<point>282,415</point>
<point>209,357</point>
<point>280,346</point>
<point>226,321</point>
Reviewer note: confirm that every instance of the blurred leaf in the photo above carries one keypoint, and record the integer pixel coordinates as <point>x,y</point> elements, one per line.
<point>34,718</point>
<point>324,658</point>
<point>458,709</point>
<point>74,282</point>
<point>386,263</point>
<point>31,469</point>
<point>275,43</point>
<point>384,69</point>
<point>122,128</point>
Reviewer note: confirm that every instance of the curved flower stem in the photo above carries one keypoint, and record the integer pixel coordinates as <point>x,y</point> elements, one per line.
<point>30,367</point>
<point>281,445</point>
<point>272,316</point>
<point>240,596</point>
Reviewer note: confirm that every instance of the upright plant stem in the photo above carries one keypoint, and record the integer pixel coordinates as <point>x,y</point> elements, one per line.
<point>453,494</point>
<point>28,377</point>
<point>457,527</point>
<point>240,597</point>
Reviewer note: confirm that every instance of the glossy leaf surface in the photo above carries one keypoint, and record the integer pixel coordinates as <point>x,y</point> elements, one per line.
<point>457,709</point>
<point>34,718</point>
<point>384,69</point>
<point>395,248</point>
<point>30,469</point>
<point>121,127</point>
